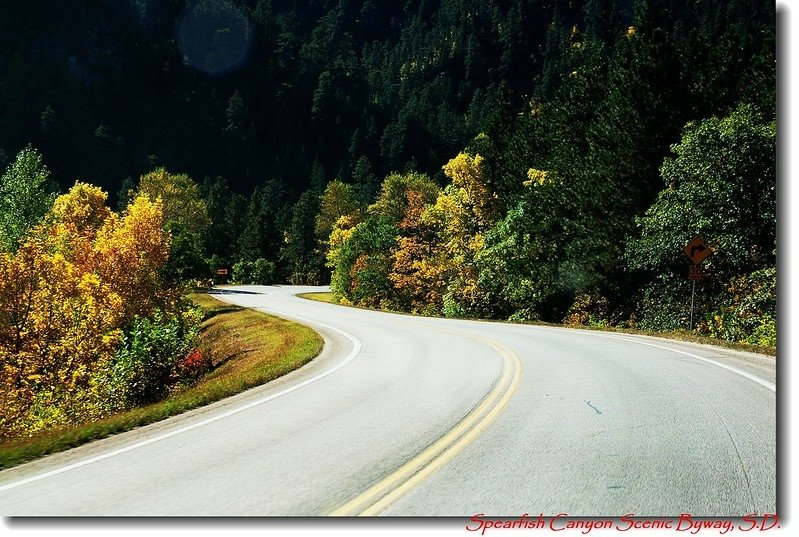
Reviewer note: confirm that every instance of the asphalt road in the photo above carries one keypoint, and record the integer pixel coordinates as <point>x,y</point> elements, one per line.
<point>405,415</point>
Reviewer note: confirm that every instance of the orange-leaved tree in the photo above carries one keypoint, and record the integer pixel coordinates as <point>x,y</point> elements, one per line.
<point>416,272</point>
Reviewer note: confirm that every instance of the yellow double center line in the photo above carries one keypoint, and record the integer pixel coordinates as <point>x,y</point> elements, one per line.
<point>388,490</point>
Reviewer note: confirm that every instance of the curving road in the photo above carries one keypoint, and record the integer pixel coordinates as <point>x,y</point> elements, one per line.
<point>405,415</point>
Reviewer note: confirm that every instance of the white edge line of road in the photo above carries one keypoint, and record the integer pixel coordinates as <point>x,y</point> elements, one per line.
<point>357,345</point>
<point>770,385</point>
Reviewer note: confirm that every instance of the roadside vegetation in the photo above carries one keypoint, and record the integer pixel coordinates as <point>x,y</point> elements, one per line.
<point>244,349</point>
<point>97,332</point>
<point>559,253</point>
<point>678,335</point>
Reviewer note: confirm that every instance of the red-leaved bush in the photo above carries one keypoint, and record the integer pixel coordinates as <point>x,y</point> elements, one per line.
<point>193,365</point>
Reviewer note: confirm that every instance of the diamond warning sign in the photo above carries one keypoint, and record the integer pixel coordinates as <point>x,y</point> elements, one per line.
<point>697,250</point>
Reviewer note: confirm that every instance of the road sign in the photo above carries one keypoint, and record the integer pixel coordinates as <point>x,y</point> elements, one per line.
<point>696,273</point>
<point>697,250</point>
<point>222,271</point>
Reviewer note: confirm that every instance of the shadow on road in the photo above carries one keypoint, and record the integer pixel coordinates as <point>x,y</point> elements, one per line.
<point>232,292</point>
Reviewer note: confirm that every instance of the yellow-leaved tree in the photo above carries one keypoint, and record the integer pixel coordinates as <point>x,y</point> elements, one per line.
<point>129,253</point>
<point>180,197</point>
<point>339,200</point>
<point>461,216</point>
<point>58,326</point>
<point>74,282</point>
<point>184,216</point>
<point>83,209</point>
<point>74,220</point>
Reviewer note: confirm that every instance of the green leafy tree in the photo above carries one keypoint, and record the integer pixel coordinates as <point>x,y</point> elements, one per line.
<point>518,266</point>
<point>186,256</point>
<point>258,272</point>
<point>363,262</point>
<point>26,194</point>
<point>339,199</point>
<point>392,202</point>
<point>720,185</point>
<point>181,197</point>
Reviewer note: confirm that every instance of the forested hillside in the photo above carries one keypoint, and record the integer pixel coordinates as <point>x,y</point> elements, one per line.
<point>295,91</point>
<point>534,160</point>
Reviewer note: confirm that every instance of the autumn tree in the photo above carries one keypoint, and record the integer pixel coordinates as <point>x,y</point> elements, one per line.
<point>339,199</point>
<point>461,215</point>
<point>72,224</point>
<point>59,323</point>
<point>131,251</point>
<point>392,202</point>
<point>58,326</point>
<point>83,209</point>
<point>78,278</point>
<point>361,255</point>
<point>416,270</point>
<point>185,217</point>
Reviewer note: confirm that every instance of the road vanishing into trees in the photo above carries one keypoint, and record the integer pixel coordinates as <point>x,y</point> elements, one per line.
<point>404,415</point>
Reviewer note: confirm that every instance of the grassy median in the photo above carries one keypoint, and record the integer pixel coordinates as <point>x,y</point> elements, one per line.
<point>319,297</point>
<point>247,348</point>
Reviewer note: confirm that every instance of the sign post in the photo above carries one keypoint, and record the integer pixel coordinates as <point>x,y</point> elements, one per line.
<point>697,251</point>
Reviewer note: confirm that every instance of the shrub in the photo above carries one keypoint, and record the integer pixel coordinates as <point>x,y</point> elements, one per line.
<point>748,310</point>
<point>152,356</point>
<point>242,271</point>
<point>258,272</point>
<point>263,272</point>
<point>193,366</point>
<point>587,310</point>
<point>664,303</point>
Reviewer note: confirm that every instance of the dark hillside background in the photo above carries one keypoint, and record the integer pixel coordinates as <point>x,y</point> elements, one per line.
<point>297,91</point>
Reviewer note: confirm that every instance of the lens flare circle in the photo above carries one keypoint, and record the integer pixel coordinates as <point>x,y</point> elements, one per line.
<point>214,36</point>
